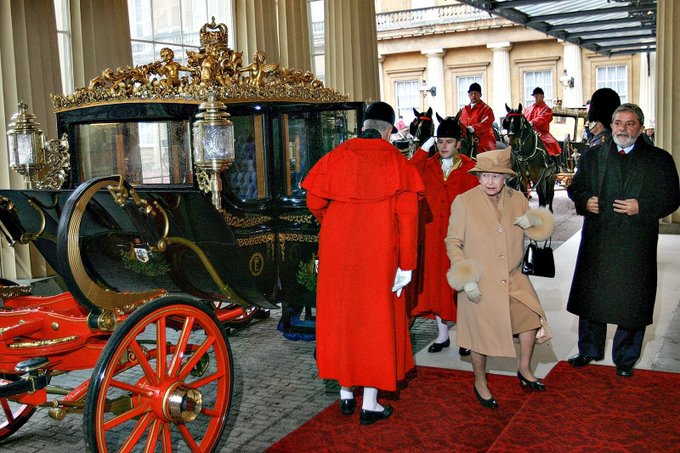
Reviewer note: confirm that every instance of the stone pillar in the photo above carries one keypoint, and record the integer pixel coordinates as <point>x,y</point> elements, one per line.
<point>667,134</point>
<point>351,48</point>
<point>256,29</point>
<point>294,38</point>
<point>648,87</point>
<point>572,97</point>
<point>501,93</point>
<point>381,79</point>
<point>435,78</point>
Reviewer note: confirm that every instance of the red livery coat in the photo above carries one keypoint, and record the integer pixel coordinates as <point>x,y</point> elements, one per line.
<point>364,194</point>
<point>540,116</point>
<point>437,297</point>
<point>481,118</point>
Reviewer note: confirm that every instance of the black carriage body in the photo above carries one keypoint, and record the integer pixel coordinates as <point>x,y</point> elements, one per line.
<point>269,237</point>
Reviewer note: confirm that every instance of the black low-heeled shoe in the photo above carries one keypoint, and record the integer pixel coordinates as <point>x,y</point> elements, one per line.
<point>370,417</point>
<point>436,347</point>
<point>463,352</point>
<point>347,406</point>
<point>490,403</point>
<point>530,386</point>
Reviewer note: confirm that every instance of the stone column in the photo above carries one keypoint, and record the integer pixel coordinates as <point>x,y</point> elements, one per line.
<point>501,93</point>
<point>351,48</point>
<point>572,97</point>
<point>435,78</point>
<point>294,38</point>
<point>648,87</point>
<point>256,29</point>
<point>667,134</point>
<point>381,78</point>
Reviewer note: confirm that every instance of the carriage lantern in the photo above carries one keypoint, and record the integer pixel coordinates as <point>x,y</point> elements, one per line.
<point>213,136</point>
<point>28,154</point>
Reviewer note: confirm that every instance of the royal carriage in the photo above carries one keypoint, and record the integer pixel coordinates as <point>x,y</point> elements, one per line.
<point>568,127</point>
<point>166,220</point>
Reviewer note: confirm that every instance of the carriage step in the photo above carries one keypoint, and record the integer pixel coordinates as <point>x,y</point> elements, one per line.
<point>26,384</point>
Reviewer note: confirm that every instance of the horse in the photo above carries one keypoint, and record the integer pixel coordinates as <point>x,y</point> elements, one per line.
<point>420,129</point>
<point>530,160</point>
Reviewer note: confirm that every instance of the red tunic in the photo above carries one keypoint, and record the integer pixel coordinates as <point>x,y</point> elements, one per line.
<point>481,118</point>
<point>437,297</point>
<point>365,196</point>
<point>540,117</point>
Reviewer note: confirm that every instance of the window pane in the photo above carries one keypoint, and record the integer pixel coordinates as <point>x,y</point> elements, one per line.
<point>167,21</point>
<point>614,77</point>
<point>542,79</point>
<point>408,98</point>
<point>140,19</point>
<point>142,53</point>
<point>194,16</point>
<point>246,177</point>
<point>463,83</point>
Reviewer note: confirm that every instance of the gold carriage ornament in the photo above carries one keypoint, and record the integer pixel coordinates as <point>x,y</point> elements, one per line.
<point>213,67</point>
<point>43,165</point>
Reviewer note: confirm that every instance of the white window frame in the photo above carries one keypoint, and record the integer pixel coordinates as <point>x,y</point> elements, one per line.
<point>614,76</point>
<point>463,83</point>
<point>542,78</point>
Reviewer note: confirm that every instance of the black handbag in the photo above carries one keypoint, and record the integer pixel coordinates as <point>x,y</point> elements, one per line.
<point>539,261</point>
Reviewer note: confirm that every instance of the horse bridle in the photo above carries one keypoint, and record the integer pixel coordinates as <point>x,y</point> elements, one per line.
<point>522,138</point>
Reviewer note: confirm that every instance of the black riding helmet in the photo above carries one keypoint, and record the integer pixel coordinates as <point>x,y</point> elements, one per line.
<point>602,105</point>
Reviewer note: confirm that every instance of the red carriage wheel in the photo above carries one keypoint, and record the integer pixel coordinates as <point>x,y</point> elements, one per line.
<point>13,416</point>
<point>160,384</point>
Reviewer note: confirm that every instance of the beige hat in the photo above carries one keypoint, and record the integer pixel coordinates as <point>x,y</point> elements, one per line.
<point>496,161</point>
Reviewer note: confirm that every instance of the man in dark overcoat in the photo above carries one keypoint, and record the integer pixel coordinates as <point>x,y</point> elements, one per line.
<point>622,188</point>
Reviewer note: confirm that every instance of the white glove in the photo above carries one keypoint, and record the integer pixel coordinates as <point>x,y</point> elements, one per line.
<point>472,292</point>
<point>428,144</point>
<point>471,129</point>
<point>527,221</point>
<point>401,279</point>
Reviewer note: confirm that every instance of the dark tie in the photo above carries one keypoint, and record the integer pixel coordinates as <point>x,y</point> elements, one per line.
<point>622,152</point>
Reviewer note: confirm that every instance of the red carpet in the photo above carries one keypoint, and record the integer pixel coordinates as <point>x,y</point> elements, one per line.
<point>436,412</point>
<point>592,409</point>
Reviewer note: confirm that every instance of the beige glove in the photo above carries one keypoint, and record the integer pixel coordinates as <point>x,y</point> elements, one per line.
<point>472,292</point>
<point>527,221</point>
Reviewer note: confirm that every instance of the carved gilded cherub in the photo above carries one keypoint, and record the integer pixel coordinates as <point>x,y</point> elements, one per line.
<point>170,68</point>
<point>258,69</point>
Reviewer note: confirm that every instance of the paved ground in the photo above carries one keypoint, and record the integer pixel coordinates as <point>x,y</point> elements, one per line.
<point>276,384</point>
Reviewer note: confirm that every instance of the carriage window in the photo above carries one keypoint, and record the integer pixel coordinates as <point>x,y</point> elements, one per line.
<point>462,85</point>
<point>145,153</point>
<point>308,136</point>
<point>533,79</point>
<point>614,77</point>
<point>246,177</point>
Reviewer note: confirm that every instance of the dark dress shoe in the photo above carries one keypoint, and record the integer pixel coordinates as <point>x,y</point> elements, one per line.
<point>530,386</point>
<point>436,347</point>
<point>463,352</point>
<point>490,403</point>
<point>347,406</point>
<point>625,371</point>
<point>370,417</point>
<point>581,360</point>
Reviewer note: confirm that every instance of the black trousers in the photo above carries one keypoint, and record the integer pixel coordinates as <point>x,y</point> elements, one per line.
<point>627,342</point>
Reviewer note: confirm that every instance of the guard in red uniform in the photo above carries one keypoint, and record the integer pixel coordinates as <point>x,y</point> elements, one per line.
<point>365,194</point>
<point>477,118</point>
<point>445,176</point>
<point>540,115</point>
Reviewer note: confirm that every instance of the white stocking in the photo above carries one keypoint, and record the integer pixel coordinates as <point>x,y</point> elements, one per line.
<point>371,400</point>
<point>346,393</point>
<point>443,329</point>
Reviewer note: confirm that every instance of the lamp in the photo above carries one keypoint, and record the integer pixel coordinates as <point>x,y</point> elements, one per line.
<point>213,148</point>
<point>566,80</point>
<point>43,166</point>
<point>425,89</point>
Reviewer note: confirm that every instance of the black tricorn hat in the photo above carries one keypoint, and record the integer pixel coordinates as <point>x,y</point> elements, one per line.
<point>537,90</point>
<point>381,111</point>
<point>602,105</point>
<point>475,87</point>
<point>448,127</point>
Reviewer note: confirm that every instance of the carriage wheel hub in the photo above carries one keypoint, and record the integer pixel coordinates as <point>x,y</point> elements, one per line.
<point>183,404</point>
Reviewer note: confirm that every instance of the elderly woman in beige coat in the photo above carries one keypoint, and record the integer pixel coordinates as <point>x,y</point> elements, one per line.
<point>485,243</point>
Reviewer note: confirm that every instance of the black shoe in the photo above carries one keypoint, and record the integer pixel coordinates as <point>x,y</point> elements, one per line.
<point>463,352</point>
<point>436,347</point>
<point>370,417</point>
<point>582,360</point>
<point>625,371</point>
<point>347,406</point>
<point>490,403</point>
<point>526,384</point>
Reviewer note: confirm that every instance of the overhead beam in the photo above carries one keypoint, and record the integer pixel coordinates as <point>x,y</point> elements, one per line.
<point>587,13</point>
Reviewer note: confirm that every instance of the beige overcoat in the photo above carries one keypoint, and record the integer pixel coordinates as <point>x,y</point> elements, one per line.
<point>484,246</point>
